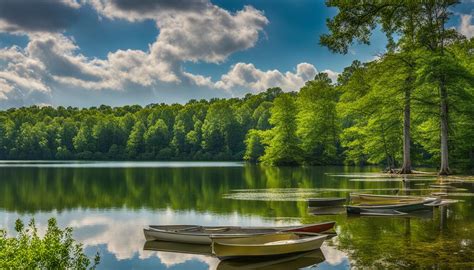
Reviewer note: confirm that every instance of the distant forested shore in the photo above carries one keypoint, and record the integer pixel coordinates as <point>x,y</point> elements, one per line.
<point>358,120</point>
<point>410,106</point>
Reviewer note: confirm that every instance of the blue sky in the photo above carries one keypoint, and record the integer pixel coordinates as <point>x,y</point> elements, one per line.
<point>117,52</point>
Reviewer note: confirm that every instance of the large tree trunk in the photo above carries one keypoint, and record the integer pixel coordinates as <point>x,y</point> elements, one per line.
<point>444,168</point>
<point>406,168</point>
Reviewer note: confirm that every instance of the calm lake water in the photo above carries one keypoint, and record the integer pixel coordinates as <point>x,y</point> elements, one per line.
<point>109,203</point>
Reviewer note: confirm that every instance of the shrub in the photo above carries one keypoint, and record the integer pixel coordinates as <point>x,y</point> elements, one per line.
<point>56,250</point>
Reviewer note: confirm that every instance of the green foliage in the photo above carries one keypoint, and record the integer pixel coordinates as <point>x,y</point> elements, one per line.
<point>220,129</point>
<point>371,110</point>
<point>254,145</point>
<point>317,123</point>
<point>56,250</point>
<point>135,144</point>
<point>423,52</point>
<point>283,144</point>
<point>157,136</point>
<point>198,130</point>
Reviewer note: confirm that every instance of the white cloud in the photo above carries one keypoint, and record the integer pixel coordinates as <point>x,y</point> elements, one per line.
<point>133,10</point>
<point>5,88</point>
<point>189,31</point>
<point>192,32</point>
<point>170,259</point>
<point>466,28</point>
<point>21,78</point>
<point>37,16</point>
<point>210,36</point>
<point>332,74</point>
<point>332,255</point>
<point>249,77</point>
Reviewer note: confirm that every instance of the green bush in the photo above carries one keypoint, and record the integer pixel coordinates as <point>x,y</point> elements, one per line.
<point>56,250</point>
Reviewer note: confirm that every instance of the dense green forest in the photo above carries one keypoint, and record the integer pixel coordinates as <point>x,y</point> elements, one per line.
<point>407,107</point>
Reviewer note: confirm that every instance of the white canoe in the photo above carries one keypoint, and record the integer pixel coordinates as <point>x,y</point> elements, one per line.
<point>266,245</point>
<point>194,234</point>
<point>404,207</point>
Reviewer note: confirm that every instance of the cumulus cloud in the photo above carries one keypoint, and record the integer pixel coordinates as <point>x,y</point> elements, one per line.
<point>332,74</point>
<point>133,10</point>
<point>33,16</point>
<point>21,77</point>
<point>49,58</point>
<point>5,88</point>
<point>249,77</point>
<point>189,31</point>
<point>210,36</point>
<point>170,259</point>
<point>57,53</point>
<point>466,28</point>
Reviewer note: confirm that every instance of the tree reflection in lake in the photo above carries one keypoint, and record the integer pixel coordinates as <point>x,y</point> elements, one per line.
<point>108,204</point>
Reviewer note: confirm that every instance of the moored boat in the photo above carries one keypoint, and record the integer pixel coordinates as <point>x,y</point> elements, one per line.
<point>403,207</point>
<point>321,202</point>
<point>275,244</point>
<point>195,234</point>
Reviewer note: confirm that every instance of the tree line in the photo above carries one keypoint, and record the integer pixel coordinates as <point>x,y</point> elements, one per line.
<point>410,106</point>
<point>198,130</point>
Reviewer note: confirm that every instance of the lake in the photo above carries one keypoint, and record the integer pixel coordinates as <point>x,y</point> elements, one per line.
<point>109,203</point>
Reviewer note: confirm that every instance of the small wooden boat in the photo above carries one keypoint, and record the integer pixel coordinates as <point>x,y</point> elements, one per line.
<point>275,244</point>
<point>195,234</point>
<point>320,202</point>
<point>403,207</point>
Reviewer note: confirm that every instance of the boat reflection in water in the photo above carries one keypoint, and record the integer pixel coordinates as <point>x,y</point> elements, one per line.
<point>295,261</point>
<point>326,210</point>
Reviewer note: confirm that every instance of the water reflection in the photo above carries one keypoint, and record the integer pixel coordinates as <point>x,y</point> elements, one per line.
<point>108,206</point>
<point>312,258</point>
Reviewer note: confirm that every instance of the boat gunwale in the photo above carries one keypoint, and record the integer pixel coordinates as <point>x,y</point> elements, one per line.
<point>425,201</point>
<point>206,234</point>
